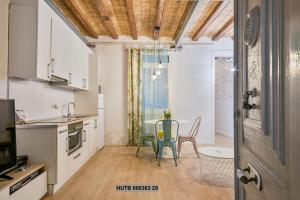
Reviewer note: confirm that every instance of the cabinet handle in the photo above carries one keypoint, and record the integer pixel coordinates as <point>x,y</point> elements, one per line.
<point>49,70</point>
<point>86,124</point>
<point>76,156</point>
<point>63,131</point>
<point>67,144</point>
<point>70,78</point>
<point>52,64</point>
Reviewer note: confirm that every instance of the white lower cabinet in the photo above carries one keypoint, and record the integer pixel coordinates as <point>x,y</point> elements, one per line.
<point>34,190</point>
<point>75,161</point>
<point>62,154</point>
<point>86,139</point>
<point>49,145</point>
<point>92,133</point>
<point>4,194</point>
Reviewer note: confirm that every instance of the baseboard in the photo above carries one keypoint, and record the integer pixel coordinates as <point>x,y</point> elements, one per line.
<point>223,133</point>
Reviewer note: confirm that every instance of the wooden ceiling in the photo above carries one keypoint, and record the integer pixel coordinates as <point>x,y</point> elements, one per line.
<point>136,18</point>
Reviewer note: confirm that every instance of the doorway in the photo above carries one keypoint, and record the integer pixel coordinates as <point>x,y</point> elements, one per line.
<point>224,101</point>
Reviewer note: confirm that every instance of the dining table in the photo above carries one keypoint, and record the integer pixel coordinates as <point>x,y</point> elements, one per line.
<point>167,152</point>
<point>153,121</point>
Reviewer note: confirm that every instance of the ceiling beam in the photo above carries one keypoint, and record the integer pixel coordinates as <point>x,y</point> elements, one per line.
<point>159,12</point>
<point>82,18</point>
<point>106,18</point>
<point>216,12</point>
<point>188,22</point>
<point>132,24</point>
<point>227,27</point>
<point>186,16</point>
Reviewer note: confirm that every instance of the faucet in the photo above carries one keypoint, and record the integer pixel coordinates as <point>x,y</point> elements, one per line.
<point>69,113</point>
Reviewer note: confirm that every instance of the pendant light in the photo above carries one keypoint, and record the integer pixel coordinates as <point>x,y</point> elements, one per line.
<point>154,76</point>
<point>159,65</point>
<point>156,73</point>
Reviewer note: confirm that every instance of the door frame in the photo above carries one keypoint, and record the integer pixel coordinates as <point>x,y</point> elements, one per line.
<point>236,97</point>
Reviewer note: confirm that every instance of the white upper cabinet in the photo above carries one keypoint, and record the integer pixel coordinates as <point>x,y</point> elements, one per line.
<point>44,41</point>
<point>43,47</point>
<point>84,61</point>
<point>60,48</point>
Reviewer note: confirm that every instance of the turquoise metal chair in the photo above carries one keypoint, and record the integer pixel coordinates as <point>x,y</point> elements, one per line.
<point>143,138</point>
<point>164,137</point>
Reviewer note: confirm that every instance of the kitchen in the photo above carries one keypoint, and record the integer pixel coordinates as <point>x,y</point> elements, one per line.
<point>58,100</point>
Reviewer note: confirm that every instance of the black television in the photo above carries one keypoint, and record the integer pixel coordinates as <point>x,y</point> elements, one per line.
<point>8,154</point>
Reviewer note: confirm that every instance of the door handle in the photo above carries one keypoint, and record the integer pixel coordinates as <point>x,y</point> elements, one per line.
<point>248,175</point>
<point>244,178</point>
<point>246,96</point>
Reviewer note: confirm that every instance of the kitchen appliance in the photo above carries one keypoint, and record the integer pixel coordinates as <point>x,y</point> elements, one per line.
<point>100,135</point>
<point>8,156</point>
<point>75,137</point>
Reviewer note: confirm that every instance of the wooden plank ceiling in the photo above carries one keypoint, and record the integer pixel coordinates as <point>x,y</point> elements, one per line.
<point>136,18</point>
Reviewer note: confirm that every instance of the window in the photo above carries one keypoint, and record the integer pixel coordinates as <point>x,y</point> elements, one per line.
<point>155,92</point>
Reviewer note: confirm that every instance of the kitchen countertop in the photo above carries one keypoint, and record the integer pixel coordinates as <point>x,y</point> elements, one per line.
<point>54,122</point>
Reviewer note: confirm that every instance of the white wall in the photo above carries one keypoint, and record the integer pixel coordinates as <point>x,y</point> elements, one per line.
<point>4,47</point>
<point>113,81</point>
<point>190,86</point>
<point>224,97</point>
<point>37,99</point>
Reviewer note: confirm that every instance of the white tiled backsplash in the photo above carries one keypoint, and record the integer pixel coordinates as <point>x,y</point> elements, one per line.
<point>38,99</point>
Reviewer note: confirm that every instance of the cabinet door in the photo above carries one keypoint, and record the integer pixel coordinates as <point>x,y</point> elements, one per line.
<point>93,141</point>
<point>85,52</point>
<point>61,59</point>
<point>75,68</point>
<point>33,190</point>
<point>85,139</point>
<point>101,129</point>
<point>44,40</point>
<point>4,194</point>
<point>62,154</point>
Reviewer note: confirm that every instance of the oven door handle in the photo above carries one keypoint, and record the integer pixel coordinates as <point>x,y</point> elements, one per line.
<point>74,133</point>
<point>67,144</point>
<point>84,133</point>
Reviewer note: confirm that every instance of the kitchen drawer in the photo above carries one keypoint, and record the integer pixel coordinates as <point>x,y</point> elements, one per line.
<point>34,190</point>
<point>75,160</point>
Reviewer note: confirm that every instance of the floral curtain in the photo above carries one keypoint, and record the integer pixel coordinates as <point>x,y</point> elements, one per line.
<point>134,96</point>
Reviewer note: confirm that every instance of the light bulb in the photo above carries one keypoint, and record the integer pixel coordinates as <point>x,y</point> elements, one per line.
<point>160,65</point>
<point>154,76</point>
<point>158,72</point>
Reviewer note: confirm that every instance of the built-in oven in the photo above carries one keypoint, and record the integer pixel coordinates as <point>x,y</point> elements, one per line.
<point>74,137</point>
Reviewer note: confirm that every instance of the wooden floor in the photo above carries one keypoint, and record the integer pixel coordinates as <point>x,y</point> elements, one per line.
<point>117,165</point>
